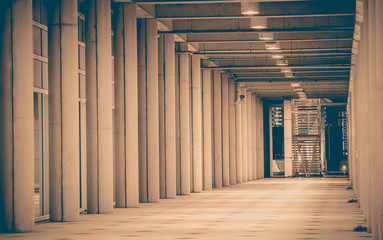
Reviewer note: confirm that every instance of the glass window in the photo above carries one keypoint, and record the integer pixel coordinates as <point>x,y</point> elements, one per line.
<point>37,73</point>
<point>45,75</point>
<point>81,29</point>
<point>36,10</point>
<point>36,40</point>
<point>81,87</point>
<point>44,43</point>
<point>81,57</point>
<point>40,11</point>
<point>44,13</point>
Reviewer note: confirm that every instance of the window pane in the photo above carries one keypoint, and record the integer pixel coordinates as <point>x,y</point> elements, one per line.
<point>81,57</point>
<point>44,43</point>
<point>44,13</point>
<point>45,75</point>
<point>36,10</point>
<point>37,73</point>
<point>36,41</point>
<point>82,86</point>
<point>38,154</point>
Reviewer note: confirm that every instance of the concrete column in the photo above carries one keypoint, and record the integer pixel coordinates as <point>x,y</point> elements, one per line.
<point>260,146</point>
<point>217,130</point>
<point>379,110</point>
<point>238,137</point>
<point>225,131</point>
<point>168,99</point>
<point>197,123</point>
<point>254,132</point>
<point>16,117</point>
<point>365,119</point>
<point>148,110</point>
<point>63,111</point>
<point>249,106</point>
<point>99,107</point>
<point>232,133</point>
<point>184,81</point>
<point>161,114</point>
<point>287,137</point>
<point>126,106</point>
<point>207,129</point>
<point>244,136</point>
<point>374,172</point>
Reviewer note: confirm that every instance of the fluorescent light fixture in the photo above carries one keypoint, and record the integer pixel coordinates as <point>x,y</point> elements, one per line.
<point>286,70</point>
<point>272,45</point>
<point>250,8</point>
<point>282,62</point>
<point>277,56</point>
<point>295,84</point>
<point>258,23</point>
<point>266,36</point>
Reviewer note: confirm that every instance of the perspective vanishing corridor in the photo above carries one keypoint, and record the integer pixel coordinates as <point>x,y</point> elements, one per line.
<point>191,119</point>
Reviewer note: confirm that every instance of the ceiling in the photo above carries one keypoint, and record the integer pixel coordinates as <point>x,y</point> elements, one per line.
<point>315,37</point>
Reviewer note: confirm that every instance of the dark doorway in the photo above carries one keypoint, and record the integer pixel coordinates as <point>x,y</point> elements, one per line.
<point>336,139</point>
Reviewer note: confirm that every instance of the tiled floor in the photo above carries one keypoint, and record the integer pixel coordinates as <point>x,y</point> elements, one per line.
<point>265,209</point>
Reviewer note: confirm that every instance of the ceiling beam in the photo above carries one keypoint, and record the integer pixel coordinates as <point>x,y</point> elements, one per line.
<point>274,40</point>
<point>289,80</point>
<point>275,30</point>
<point>213,17</point>
<point>326,66</point>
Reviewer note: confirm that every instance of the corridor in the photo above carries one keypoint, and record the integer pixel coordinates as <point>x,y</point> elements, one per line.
<point>267,209</point>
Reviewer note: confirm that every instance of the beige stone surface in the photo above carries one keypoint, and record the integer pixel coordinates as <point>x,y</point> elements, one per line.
<point>266,209</point>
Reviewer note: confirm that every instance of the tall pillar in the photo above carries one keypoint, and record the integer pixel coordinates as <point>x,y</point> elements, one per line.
<point>161,115</point>
<point>254,132</point>
<point>184,81</point>
<point>148,111</point>
<point>249,106</point>
<point>217,130</point>
<point>63,111</point>
<point>287,127</point>
<point>371,101</point>
<point>225,131</point>
<point>238,136</point>
<point>197,123</point>
<point>16,117</point>
<point>379,110</point>
<point>99,107</point>
<point>262,145</point>
<point>207,129</point>
<point>126,106</point>
<point>232,133</point>
<point>260,142</point>
<point>168,101</point>
<point>244,135</point>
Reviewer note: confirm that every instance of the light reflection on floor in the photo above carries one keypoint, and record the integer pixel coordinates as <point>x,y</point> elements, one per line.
<point>268,209</point>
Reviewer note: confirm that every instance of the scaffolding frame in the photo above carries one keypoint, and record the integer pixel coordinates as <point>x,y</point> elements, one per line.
<point>306,134</point>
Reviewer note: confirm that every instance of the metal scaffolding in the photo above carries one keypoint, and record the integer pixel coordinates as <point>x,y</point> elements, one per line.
<point>306,120</point>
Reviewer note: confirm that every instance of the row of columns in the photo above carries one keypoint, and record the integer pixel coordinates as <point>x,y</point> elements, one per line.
<point>178,128</point>
<point>365,116</point>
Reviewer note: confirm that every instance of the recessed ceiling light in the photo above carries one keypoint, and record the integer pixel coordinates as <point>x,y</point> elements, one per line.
<point>277,56</point>
<point>258,23</point>
<point>266,36</point>
<point>250,8</point>
<point>282,62</point>
<point>272,45</point>
<point>286,70</point>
